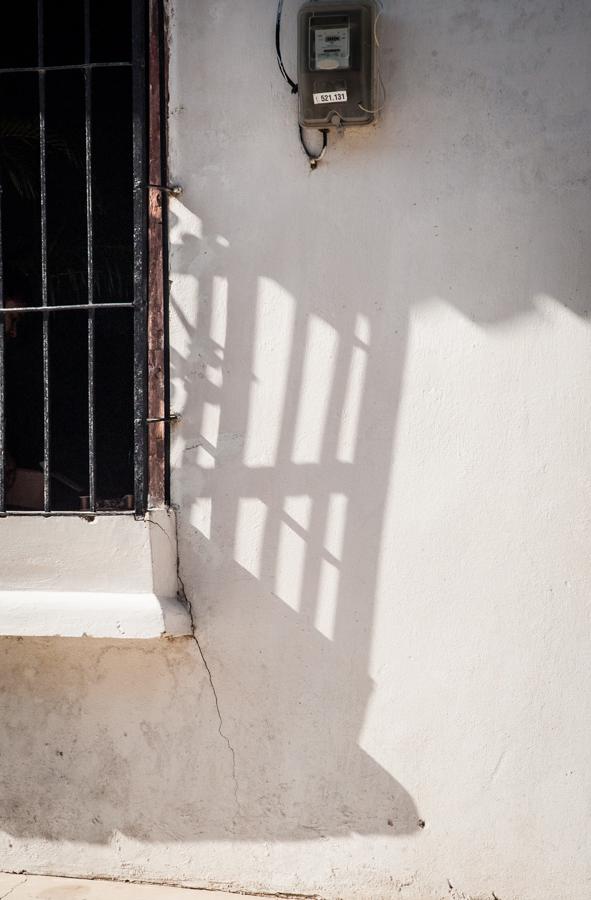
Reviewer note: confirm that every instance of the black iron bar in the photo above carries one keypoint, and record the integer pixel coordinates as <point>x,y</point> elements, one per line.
<point>99,65</point>
<point>82,513</point>
<point>2,429</point>
<point>139,253</point>
<point>43,211</point>
<point>89,255</point>
<point>64,308</point>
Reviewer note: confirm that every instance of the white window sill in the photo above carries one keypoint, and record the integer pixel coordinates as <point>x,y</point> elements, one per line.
<point>111,577</point>
<point>85,614</point>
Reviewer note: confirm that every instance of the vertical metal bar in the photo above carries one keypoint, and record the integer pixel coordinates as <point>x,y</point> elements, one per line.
<point>164,69</point>
<point>138,26</point>
<point>89,256</point>
<point>43,212</point>
<point>2,329</point>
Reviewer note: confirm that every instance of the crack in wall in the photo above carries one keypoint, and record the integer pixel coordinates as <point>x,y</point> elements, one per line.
<point>14,887</point>
<point>187,886</point>
<point>151,521</point>
<point>456,894</point>
<point>185,600</point>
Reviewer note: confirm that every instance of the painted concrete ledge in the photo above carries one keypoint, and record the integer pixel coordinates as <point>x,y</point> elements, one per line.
<point>84,614</point>
<point>110,577</point>
<point>40,887</point>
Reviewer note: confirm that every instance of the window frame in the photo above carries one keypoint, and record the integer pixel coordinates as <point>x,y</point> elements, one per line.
<point>150,358</point>
<point>158,405</point>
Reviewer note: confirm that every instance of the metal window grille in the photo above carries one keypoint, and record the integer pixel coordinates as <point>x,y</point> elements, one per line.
<point>137,303</point>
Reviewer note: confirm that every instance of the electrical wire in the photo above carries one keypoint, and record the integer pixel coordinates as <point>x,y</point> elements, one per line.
<point>314,157</point>
<point>282,69</point>
<point>379,71</point>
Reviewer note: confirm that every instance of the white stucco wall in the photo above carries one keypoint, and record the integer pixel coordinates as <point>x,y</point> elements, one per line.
<point>383,475</point>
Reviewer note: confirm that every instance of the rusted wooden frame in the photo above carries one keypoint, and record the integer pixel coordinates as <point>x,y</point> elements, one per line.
<point>157,356</point>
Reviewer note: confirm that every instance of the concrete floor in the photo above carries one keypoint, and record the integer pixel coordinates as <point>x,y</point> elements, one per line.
<point>40,887</point>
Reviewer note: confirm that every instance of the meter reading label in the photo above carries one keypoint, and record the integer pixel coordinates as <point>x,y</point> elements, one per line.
<point>330,97</point>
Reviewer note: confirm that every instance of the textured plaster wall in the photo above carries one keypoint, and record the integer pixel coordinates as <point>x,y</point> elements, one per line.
<point>383,477</point>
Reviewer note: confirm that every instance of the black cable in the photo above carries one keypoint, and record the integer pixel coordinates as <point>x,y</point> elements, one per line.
<point>314,158</point>
<point>290,81</point>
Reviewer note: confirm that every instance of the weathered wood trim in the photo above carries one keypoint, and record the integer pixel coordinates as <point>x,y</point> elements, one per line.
<point>157,382</point>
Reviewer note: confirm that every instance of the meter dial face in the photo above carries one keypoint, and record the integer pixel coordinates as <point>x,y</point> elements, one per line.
<point>330,47</point>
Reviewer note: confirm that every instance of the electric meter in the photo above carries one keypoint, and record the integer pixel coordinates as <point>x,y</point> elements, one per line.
<point>336,64</point>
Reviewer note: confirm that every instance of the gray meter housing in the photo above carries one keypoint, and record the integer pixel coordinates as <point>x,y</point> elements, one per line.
<point>336,63</point>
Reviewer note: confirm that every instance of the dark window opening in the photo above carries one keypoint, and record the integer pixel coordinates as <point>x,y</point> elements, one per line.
<point>74,233</point>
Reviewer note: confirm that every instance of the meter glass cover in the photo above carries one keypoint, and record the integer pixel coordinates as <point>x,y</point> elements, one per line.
<point>331,48</point>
